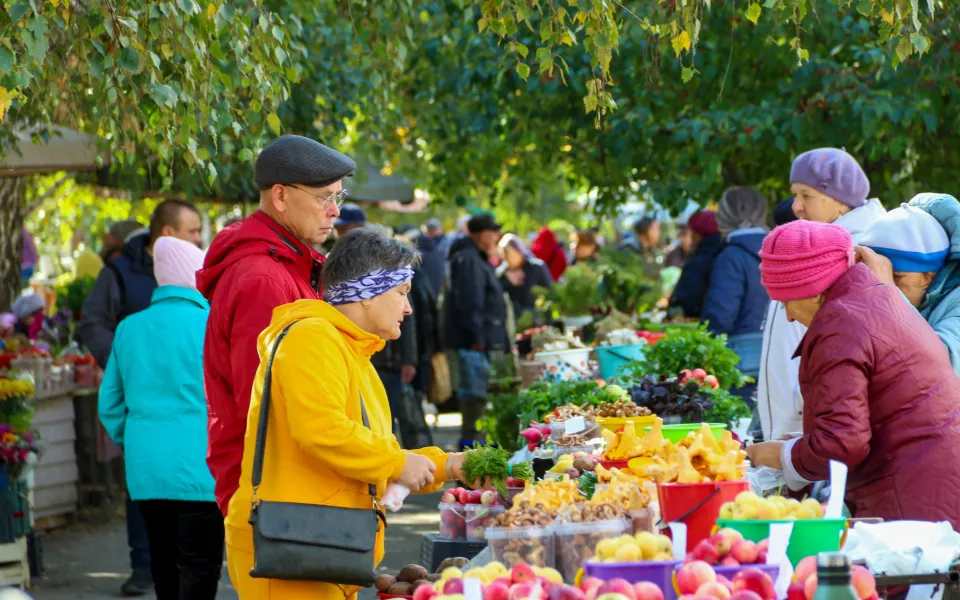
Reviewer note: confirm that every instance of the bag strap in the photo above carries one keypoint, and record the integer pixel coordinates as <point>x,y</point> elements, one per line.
<point>260,447</point>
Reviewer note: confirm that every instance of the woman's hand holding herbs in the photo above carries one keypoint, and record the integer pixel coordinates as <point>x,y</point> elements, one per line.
<point>455,471</point>
<point>489,467</point>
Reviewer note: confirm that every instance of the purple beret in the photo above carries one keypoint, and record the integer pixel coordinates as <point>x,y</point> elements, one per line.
<point>833,172</point>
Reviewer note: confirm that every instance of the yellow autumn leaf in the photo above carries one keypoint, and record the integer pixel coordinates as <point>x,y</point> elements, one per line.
<point>886,16</point>
<point>681,42</point>
<point>5,100</point>
<point>211,10</point>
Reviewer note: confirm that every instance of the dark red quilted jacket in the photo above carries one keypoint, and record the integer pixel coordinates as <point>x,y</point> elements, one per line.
<point>879,395</point>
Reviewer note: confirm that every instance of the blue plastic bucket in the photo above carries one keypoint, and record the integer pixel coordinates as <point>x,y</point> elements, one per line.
<point>613,358</point>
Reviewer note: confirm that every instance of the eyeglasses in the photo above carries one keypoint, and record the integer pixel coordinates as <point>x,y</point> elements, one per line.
<point>336,198</point>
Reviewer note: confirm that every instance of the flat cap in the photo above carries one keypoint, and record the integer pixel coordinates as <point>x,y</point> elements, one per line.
<point>294,159</point>
<point>482,222</point>
<point>350,214</point>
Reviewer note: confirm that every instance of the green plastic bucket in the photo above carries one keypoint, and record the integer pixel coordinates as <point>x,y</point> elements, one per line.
<point>675,433</point>
<point>809,537</point>
<point>613,358</point>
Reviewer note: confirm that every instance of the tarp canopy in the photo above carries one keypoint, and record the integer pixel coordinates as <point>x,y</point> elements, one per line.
<point>63,150</point>
<point>370,185</point>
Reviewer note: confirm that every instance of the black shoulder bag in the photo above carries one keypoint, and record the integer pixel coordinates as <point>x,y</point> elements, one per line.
<point>310,542</point>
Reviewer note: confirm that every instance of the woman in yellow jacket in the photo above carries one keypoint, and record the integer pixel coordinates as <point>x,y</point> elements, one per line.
<point>318,451</point>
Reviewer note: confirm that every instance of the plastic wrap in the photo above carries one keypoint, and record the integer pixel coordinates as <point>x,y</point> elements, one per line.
<point>522,545</point>
<point>576,542</point>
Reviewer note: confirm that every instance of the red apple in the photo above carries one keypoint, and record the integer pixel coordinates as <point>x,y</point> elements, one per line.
<point>725,582</point>
<point>722,543</point>
<point>730,561</point>
<point>863,582</point>
<point>687,597</point>
<point>711,381</point>
<point>522,574</point>
<point>590,582</point>
<point>565,592</point>
<point>796,592</point>
<point>488,498</point>
<point>712,590</point>
<point>731,534</point>
<point>810,587</point>
<point>648,591</point>
<point>875,596</point>
<point>745,595</point>
<point>805,568</point>
<point>495,591</point>
<point>428,592</point>
<point>461,494</point>
<point>745,551</point>
<point>706,552</point>
<point>691,576</point>
<point>545,585</point>
<point>448,497</point>
<point>755,580</point>
<point>520,591</point>
<point>762,558</point>
<point>453,586</point>
<point>699,374</point>
<point>504,580</point>
<point>617,586</point>
<point>612,597</point>
<point>763,545</point>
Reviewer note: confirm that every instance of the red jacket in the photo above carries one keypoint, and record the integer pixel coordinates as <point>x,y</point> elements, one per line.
<point>880,395</point>
<point>251,268</point>
<point>548,249</point>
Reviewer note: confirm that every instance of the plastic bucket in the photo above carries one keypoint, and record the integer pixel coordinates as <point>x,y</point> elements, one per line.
<point>676,433</point>
<point>659,573</point>
<point>613,358</point>
<point>697,505</point>
<point>564,365</point>
<point>809,538</point>
<point>615,424</point>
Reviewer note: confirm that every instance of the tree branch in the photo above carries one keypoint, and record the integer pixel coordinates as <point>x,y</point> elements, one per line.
<point>38,202</point>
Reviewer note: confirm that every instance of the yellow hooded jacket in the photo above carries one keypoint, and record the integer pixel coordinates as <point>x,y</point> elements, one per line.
<point>317,450</point>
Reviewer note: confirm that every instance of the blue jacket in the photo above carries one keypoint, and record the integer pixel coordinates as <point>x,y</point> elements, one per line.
<point>692,286</point>
<point>152,402</point>
<point>941,305</point>
<point>736,300</point>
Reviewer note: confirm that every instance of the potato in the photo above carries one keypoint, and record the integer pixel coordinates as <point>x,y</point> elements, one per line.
<point>457,562</point>
<point>411,573</point>
<point>434,577</point>
<point>400,588</point>
<point>383,582</point>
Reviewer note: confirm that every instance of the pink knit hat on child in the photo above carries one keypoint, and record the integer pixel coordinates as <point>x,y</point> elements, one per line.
<point>176,262</point>
<point>803,259</point>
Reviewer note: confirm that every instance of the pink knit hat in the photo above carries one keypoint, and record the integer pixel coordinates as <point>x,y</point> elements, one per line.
<point>803,259</point>
<point>176,262</point>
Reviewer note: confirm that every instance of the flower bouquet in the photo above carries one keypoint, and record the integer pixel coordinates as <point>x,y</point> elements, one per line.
<point>16,402</point>
<point>18,448</point>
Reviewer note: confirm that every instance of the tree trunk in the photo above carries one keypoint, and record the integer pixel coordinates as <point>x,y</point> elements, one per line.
<point>11,238</point>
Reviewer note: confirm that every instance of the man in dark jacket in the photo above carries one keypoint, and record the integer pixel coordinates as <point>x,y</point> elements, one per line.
<point>254,266</point>
<point>124,286</point>
<point>691,288</point>
<point>475,317</point>
<point>433,252</point>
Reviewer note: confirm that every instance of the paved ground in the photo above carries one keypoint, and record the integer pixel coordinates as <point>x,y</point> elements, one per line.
<point>89,562</point>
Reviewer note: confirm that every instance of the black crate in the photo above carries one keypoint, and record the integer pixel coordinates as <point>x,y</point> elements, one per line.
<point>435,549</point>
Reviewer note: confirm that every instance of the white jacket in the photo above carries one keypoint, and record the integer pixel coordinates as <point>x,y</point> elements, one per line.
<point>779,401</point>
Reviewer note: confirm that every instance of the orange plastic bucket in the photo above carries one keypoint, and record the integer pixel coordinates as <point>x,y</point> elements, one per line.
<point>697,505</point>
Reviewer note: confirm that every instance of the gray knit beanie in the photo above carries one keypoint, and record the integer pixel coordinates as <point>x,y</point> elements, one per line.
<point>740,208</point>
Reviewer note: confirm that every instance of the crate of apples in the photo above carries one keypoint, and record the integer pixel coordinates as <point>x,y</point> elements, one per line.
<point>805,581</point>
<point>748,506</point>
<point>728,548</point>
<point>500,583</point>
<point>698,580</point>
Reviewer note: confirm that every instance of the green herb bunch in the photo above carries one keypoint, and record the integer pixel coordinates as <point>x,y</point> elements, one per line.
<point>486,462</point>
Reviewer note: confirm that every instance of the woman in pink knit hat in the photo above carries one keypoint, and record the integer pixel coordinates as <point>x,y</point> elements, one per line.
<point>153,406</point>
<point>879,392</point>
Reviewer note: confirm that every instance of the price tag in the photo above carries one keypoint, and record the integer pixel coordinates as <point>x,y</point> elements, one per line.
<point>838,489</point>
<point>472,589</point>
<point>574,425</point>
<point>777,555</point>
<point>678,533</point>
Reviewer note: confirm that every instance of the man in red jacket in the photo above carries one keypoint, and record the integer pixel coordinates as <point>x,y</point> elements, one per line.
<point>254,266</point>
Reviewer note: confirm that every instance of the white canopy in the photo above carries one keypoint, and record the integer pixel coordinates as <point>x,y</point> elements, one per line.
<point>65,150</point>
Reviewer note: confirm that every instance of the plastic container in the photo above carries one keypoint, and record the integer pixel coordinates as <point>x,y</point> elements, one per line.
<point>642,520</point>
<point>534,546</point>
<point>576,542</point>
<point>615,424</point>
<point>675,433</point>
<point>559,428</point>
<point>697,505</point>
<point>658,572</point>
<point>513,492</point>
<point>479,518</point>
<point>564,365</point>
<point>434,550</point>
<point>453,521</point>
<point>809,537</point>
<point>613,358</point>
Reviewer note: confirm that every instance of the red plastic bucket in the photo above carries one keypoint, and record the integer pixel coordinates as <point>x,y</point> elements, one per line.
<point>697,505</point>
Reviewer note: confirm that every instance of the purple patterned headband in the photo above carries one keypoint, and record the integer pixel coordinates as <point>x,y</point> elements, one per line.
<point>369,286</point>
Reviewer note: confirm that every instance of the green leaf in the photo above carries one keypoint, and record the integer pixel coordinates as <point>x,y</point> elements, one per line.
<point>865,7</point>
<point>920,42</point>
<point>523,70</point>
<point>17,9</point>
<point>35,38</point>
<point>482,25</point>
<point>280,54</point>
<point>273,121</point>
<point>155,59</point>
<point>189,6</point>
<point>130,60</point>
<point>277,33</point>
<point>522,50</point>
<point>203,154</point>
<point>686,74</point>
<point>129,23</point>
<point>771,3</point>
<point>930,120</point>
<point>245,155</point>
<point>163,95</point>
<point>7,60</point>
<point>753,13</point>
